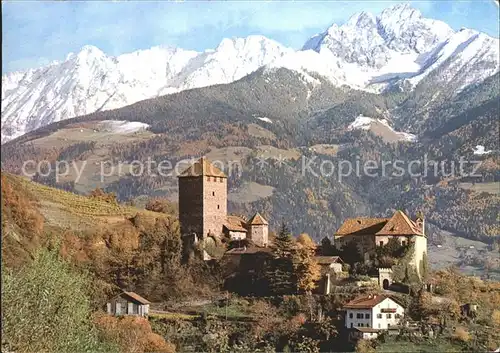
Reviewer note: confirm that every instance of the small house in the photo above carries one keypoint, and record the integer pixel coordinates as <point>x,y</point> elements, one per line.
<point>128,303</point>
<point>330,263</point>
<point>372,314</point>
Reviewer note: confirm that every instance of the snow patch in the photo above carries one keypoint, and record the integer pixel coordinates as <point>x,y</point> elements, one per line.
<point>366,123</point>
<point>480,150</point>
<point>265,119</point>
<point>124,127</point>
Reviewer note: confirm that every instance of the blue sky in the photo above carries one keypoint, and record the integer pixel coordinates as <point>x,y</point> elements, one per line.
<point>38,32</point>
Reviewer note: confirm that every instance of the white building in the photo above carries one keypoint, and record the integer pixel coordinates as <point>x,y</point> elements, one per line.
<point>368,315</point>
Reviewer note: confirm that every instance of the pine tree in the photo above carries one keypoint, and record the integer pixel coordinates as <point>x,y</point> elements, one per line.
<point>280,274</point>
<point>284,244</point>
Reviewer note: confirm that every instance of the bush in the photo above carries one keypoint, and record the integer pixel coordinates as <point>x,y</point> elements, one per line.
<point>461,335</point>
<point>46,307</point>
<point>132,334</point>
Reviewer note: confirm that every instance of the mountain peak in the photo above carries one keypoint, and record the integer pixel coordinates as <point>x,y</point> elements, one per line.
<point>401,11</point>
<point>361,19</point>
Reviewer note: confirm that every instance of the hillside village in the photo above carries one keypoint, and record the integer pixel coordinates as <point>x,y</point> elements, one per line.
<point>200,279</point>
<point>384,258</point>
<point>341,190</point>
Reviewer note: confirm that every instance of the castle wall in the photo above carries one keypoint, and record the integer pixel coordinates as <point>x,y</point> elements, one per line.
<point>214,204</point>
<point>420,250</point>
<point>259,234</point>
<point>384,239</point>
<point>366,243</point>
<point>191,205</point>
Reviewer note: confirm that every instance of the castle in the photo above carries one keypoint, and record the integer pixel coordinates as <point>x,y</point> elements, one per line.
<point>203,208</point>
<point>368,233</point>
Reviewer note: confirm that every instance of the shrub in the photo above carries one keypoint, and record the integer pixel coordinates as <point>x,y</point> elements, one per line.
<point>461,335</point>
<point>46,308</point>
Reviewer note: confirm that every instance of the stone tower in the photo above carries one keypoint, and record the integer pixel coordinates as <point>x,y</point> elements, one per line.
<point>202,199</point>
<point>258,230</point>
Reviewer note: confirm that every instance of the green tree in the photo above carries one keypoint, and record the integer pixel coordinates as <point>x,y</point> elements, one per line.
<point>46,308</point>
<point>327,248</point>
<point>280,275</point>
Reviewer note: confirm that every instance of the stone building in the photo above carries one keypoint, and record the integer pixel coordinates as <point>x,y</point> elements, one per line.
<point>128,303</point>
<point>203,208</point>
<point>369,233</point>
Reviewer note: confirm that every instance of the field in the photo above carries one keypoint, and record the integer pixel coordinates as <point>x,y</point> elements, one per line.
<point>69,210</point>
<point>430,346</point>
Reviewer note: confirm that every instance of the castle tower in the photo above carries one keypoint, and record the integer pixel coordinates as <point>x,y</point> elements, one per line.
<point>202,199</point>
<point>258,230</point>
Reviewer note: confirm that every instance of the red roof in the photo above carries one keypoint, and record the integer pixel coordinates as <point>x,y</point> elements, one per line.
<point>257,219</point>
<point>398,224</point>
<point>136,297</point>
<point>328,260</point>
<point>236,224</point>
<point>367,302</point>
<point>202,167</point>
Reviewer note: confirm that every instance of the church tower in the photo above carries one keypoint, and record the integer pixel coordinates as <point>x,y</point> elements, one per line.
<point>202,199</point>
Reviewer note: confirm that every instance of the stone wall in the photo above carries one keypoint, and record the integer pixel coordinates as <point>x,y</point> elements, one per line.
<point>214,204</point>
<point>259,234</point>
<point>191,205</point>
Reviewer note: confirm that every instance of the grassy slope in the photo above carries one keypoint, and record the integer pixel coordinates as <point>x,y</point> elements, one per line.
<point>63,208</point>
<point>35,215</point>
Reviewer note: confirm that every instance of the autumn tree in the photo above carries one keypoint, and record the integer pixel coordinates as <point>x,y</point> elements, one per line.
<point>161,205</point>
<point>101,195</point>
<point>307,270</point>
<point>132,334</point>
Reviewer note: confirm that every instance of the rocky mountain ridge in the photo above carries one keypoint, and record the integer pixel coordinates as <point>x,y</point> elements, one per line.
<point>399,49</point>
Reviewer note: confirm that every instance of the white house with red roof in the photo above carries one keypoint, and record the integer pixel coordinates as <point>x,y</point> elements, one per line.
<point>370,314</point>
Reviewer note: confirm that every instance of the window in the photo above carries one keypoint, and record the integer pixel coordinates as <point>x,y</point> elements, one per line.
<point>398,316</point>
<point>352,325</point>
<point>221,180</point>
<point>368,325</point>
<point>213,193</point>
<point>361,325</point>
<point>379,316</point>
<point>350,315</point>
<point>388,316</point>
<point>367,316</point>
<point>378,325</point>
<point>381,243</point>
<point>403,243</point>
<point>359,316</point>
<point>218,206</point>
<point>208,178</point>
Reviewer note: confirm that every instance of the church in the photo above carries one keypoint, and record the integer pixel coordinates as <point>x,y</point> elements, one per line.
<point>203,208</point>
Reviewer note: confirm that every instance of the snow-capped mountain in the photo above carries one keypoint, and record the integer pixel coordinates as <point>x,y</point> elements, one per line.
<point>91,81</point>
<point>367,52</point>
<point>402,46</point>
